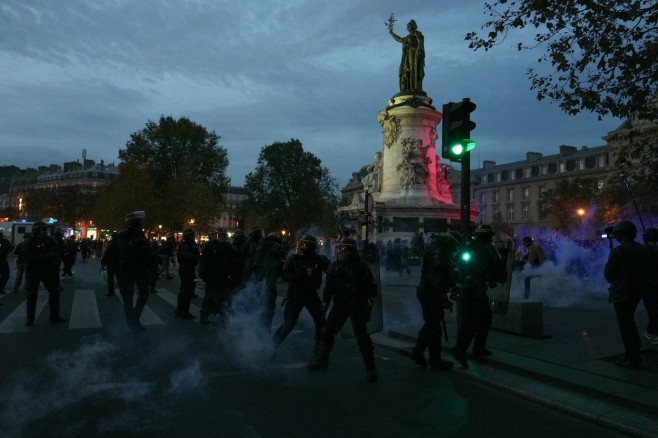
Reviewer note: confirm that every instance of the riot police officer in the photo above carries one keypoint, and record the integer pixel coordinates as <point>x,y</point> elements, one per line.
<point>303,272</point>
<point>40,256</point>
<point>650,298</point>
<point>110,263</point>
<point>220,269</point>
<point>437,277</point>
<point>5,249</point>
<point>188,258</point>
<point>626,271</point>
<point>352,288</point>
<point>136,266</point>
<point>479,266</point>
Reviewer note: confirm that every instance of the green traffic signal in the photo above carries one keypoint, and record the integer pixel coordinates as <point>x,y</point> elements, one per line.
<point>463,146</point>
<point>466,256</point>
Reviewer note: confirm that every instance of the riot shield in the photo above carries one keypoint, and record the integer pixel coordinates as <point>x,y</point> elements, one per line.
<point>376,324</point>
<point>499,295</point>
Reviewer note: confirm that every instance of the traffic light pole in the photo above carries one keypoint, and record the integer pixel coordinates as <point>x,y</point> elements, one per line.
<point>465,212</point>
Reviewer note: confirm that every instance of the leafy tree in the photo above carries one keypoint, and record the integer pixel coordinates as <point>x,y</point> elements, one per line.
<point>186,171</point>
<point>603,51</point>
<point>66,204</point>
<point>290,189</point>
<point>562,202</point>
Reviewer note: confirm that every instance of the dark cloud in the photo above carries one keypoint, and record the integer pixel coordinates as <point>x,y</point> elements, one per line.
<point>83,74</point>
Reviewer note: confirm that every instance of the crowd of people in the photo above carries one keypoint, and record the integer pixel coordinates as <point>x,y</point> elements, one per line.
<point>240,275</point>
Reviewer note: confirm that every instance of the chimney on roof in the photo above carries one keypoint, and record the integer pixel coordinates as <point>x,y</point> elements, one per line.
<point>566,150</point>
<point>533,156</point>
<point>488,164</point>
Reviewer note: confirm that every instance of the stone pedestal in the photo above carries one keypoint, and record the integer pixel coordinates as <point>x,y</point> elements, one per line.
<point>524,318</point>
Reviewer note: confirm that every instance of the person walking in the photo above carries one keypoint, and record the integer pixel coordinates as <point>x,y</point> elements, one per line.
<point>534,257</point>
<point>220,269</point>
<point>303,272</point>
<point>352,288</point>
<point>20,263</point>
<point>188,258</point>
<point>110,262</point>
<point>437,277</point>
<point>136,265</point>
<point>40,258</point>
<point>478,263</point>
<point>5,249</point>
<point>627,272</point>
<point>650,298</point>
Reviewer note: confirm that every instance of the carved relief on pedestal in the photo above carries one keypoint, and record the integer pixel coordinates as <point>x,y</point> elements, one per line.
<point>391,125</point>
<point>372,182</point>
<point>442,181</point>
<point>413,168</point>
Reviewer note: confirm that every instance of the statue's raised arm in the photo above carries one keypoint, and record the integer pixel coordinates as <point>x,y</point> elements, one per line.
<point>412,65</point>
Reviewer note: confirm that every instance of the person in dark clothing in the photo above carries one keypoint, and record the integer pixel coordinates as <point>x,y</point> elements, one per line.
<point>110,262</point>
<point>136,265</point>
<point>478,263</point>
<point>437,277</point>
<point>166,252</point>
<point>39,253</point>
<point>627,272</point>
<point>249,250</point>
<point>650,298</point>
<point>188,258</point>
<point>5,249</point>
<point>220,268</point>
<point>266,267</point>
<point>352,288</point>
<point>303,272</point>
<point>20,263</point>
<point>155,274</point>
<point>69,255</point>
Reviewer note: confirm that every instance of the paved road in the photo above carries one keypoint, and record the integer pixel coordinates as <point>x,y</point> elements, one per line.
<point>90,377</point>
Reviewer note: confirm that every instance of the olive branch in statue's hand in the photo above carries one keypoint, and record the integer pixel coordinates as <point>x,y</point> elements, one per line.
<point>390,22</point>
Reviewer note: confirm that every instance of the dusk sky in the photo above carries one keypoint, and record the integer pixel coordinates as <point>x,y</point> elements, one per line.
<point>83,74</point>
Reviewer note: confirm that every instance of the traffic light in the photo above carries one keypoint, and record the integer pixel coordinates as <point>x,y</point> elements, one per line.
<point>457,127</point>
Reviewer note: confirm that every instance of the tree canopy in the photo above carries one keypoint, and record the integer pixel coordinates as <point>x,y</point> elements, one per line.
<point>603,52</point>
<point>175,170</point>
<point>290,189</point>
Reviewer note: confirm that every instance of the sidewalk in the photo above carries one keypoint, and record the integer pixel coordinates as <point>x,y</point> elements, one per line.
<point>570,368</point>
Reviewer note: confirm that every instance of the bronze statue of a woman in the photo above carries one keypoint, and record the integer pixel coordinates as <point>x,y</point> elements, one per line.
<point>412,65</point>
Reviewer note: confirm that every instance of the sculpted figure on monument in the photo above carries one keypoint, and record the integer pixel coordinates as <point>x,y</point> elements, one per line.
<point>412,65</point>
<point>413,167</point>
<point>372,181</point>
<point>391,125</point>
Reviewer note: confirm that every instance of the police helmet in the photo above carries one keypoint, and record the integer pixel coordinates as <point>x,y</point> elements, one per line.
<point>347,245</point>
<point>221,232</point>
<point>308,243</point>
<point>651,235</point>
<point>135,218</point>
<point>187,233</point>
<point>454,238</point>
<point>274,236</point>
<point>625,229</point>
<point>255,231</point>
<point>39,227</point>
<point>483,230</point>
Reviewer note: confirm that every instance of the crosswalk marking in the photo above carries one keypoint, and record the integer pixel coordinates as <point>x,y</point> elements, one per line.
<point>15,322</point>
<point>149,317</point>
<point>172,299</point>
<point>84,313</point>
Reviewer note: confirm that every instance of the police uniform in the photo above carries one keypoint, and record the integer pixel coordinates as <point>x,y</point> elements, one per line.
<point>436,279</point>
<point>478,263</point>
<point>626,271</point>
<point>303,272</point>
<point>351,286</point>
<point>136,265</point>
<point>220,268</point>
<point>40,256</point>
<point>188,258</point>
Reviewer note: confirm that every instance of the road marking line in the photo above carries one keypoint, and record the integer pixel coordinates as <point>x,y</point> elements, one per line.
<point>84,312</point>
<point>172,299</point>
<point>15,322</point>
<point>149,317</point>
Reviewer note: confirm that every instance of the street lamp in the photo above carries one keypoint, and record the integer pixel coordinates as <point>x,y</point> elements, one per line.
<point>159,232</point>
<point>581,213</point>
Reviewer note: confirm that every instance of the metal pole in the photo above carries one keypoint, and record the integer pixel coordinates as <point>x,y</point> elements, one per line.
<point>465,213</point>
